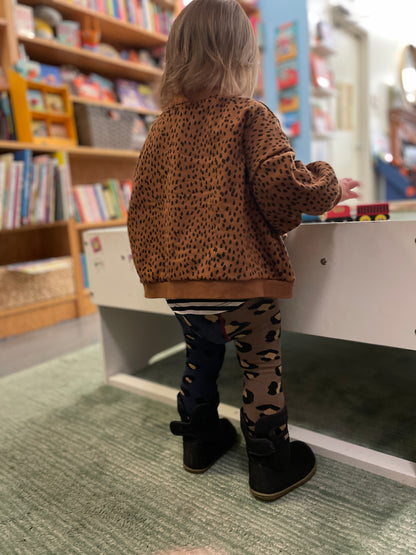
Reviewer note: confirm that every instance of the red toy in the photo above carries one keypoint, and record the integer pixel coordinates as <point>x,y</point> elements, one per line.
<point>365,213</point>
<point>368,212</point>
<point>339,214</point>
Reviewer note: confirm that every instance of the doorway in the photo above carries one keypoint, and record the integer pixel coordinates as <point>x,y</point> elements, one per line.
<point>350,147</point>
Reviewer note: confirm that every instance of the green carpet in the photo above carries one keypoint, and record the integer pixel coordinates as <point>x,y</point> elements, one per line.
<point>90,469</point>
<point>356,392</point>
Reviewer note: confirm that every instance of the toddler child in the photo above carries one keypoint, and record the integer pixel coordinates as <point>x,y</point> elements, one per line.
<point>215,189</point>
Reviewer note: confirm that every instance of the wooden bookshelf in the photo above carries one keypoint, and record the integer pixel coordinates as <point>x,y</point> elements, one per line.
<point>33,227</point>
<point>113,30</point>
<point>87,164</point>
<point>54,53</point>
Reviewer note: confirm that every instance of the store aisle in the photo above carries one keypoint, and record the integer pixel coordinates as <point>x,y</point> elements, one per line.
<point>26,350</point>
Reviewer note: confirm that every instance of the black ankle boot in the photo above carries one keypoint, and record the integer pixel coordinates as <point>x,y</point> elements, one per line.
<point>276,466</point>
<point>205,436</point>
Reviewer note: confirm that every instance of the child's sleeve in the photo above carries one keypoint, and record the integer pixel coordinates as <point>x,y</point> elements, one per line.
<point>283,187</point>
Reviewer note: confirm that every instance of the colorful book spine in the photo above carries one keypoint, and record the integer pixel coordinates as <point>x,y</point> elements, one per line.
<point>34,187</point>
<point>113,188</point>
<point>9,215</point>
<point>147,19</point>
<point>115,9</point>
<point>131,11</point>
<point>100,6</point>
<point>98,190</point>
<point>93,203</point>
<point>120,198</point>
<point>40,209</point>
<point>2,188</point>
<point>17,208</point>
<point>139,13</point>
<point>121,9</point>
<point>81,205</point>
<point>65,184</point>
<point>109,7</point>
<point>127,188</point>
<point>27,158</point>
<point>85,279</point>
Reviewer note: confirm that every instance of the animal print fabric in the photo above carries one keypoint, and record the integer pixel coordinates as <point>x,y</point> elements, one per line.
<point>216,185</point>
<point>255,330</point>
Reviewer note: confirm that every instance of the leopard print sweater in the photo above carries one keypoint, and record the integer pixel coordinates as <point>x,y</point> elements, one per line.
<point>215,187</point>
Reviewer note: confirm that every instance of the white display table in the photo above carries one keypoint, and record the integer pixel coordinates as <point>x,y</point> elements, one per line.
<point>354,281</point>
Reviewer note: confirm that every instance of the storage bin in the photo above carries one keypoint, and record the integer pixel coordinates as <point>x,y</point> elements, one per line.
<point>104,127</point>
<point>19,288</point>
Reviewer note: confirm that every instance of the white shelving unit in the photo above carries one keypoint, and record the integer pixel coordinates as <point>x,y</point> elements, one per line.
<point>365,257</point>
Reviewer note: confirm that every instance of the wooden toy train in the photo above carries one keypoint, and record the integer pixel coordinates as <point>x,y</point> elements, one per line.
<point>363,213</point>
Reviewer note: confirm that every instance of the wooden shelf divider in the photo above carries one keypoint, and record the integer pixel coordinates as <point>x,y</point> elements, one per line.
<point>114,105</point>
<point>83,226</point>
<point>73,151</point>
<point>52,52</point>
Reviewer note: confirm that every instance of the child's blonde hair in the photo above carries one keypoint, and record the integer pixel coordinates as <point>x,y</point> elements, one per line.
<point>211,49</point>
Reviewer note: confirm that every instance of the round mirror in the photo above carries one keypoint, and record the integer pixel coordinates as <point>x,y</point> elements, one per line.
<point>408,74</point>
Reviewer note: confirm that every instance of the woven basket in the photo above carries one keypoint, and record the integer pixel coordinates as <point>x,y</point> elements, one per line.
<point>103,127</point>
<point>19,289</point>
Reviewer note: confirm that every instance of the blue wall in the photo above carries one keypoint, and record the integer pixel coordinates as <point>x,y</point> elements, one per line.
<point>275,13</point>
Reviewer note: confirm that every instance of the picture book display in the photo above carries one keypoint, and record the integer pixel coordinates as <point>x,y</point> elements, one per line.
<point>34,189</point>
<point>54,102</point>
<point>43,112</point>
<point>35,100</point>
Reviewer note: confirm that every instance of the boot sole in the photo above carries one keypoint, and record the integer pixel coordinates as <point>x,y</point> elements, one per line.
<point>281,493</point>
<point>198,470</point>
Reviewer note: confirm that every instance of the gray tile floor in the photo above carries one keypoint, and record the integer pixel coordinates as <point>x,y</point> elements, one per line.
<point>26,350</point>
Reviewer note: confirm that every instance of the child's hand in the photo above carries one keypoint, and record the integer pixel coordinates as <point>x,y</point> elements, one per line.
<point>347,186</point>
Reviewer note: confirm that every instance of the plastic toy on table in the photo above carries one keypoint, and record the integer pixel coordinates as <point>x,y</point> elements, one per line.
<point>378,211</point>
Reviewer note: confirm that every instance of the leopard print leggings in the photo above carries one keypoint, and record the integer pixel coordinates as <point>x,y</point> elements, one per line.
<point>255,329</point>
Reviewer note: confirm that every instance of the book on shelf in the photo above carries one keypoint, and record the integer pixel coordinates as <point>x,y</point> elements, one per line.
<point>7,126</point>
<point>34,189</point>
<point>85,278</point>
<point>144,13</point>
<point>100,202</point>
<point>69,33</point>
<point>136,95</point>
<point>24,20</point>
